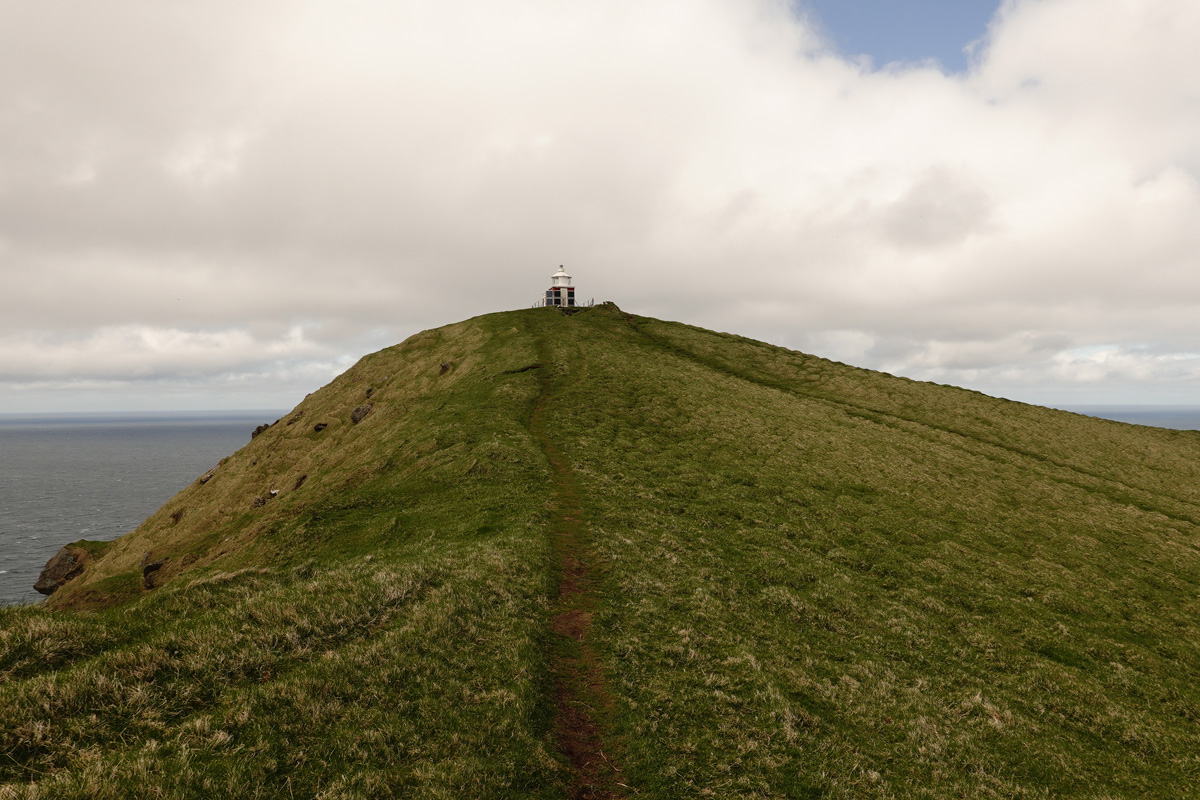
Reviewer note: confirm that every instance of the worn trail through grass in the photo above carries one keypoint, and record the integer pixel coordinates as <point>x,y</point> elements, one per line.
<point>582,699</point>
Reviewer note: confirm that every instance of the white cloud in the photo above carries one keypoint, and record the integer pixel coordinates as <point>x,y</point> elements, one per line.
<point>208,160</point>
<point>139,352</point>
<point>175,178</point>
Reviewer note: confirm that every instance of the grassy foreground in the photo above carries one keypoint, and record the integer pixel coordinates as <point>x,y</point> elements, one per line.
<point>807,580</point>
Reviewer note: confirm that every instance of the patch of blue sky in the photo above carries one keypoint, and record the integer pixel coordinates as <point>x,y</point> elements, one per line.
<point>902,31</point>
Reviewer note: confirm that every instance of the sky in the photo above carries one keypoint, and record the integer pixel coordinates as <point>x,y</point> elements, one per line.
<point>903,31</point>
<point>224,204</point>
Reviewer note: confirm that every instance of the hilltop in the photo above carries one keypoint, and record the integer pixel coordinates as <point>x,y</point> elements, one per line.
<point>600,555</point>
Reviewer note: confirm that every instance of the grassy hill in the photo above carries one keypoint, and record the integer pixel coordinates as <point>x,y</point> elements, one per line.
<point>601,555</point>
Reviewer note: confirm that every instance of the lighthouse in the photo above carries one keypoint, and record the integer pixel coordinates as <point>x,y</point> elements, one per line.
<point>561,292</point>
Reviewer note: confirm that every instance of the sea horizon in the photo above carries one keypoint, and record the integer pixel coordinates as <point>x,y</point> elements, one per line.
<point>1156,415</point>
<point>68,416</point>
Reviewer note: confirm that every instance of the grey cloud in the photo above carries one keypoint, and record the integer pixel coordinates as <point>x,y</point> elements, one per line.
<point>183,186</point>
<point>940,208</point>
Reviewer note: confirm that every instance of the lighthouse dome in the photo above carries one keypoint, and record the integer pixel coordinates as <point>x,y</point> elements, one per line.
<point>560,278</point>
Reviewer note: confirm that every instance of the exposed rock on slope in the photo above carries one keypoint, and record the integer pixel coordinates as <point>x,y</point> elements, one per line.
<point>65,565</point>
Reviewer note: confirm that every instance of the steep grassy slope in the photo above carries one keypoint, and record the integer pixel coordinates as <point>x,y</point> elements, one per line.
<point>377,629</point>
<point>799,579</point>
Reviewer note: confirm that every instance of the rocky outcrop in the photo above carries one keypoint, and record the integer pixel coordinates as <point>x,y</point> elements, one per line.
<point>148,571</point>
<point>65,565</point>
<point>360,413</point>
<point>262,500</point>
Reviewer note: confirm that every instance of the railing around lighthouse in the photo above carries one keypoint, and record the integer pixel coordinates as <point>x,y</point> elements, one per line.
<point>543,303</point>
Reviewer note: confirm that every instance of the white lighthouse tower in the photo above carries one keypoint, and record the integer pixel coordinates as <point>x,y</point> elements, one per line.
<point>561,292</point>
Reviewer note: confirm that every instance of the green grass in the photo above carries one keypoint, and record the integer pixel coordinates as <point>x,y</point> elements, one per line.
<point>808,580</point>
<point>828,582</point>
<point>410,673</point>
<point>93,549</point>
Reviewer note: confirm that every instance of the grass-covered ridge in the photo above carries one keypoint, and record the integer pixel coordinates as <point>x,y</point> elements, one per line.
<point>807,580</point>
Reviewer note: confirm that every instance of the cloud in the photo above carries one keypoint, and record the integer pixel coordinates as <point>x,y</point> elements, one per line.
<point>143,352</point>
<point>183,187</point>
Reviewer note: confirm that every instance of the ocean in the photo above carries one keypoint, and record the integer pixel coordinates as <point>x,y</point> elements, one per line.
<point>1183,418</point>
<point>65,477</point>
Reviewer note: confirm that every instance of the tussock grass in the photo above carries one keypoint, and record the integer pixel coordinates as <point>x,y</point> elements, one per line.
<point>807,580</point>
<point>410,673</point>
<point>827,582</point>
<point>374,630</point>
